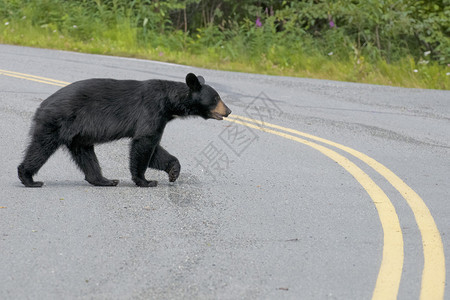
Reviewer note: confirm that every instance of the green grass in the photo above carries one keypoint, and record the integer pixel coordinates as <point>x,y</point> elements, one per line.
<point>258,54</point>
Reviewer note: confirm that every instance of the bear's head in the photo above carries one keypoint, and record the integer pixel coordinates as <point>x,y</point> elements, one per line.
<point>205,100</point>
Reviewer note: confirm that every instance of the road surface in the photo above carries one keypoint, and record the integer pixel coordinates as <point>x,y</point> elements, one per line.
<point>311,189</point>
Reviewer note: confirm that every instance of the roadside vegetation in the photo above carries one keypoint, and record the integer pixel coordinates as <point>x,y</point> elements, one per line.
<point>393,42</point>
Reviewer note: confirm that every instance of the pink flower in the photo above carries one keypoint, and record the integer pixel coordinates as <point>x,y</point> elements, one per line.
<point>258,22</point>
<point>332,24</point>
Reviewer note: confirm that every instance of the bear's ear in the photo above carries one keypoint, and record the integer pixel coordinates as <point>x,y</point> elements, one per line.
<point>201,80</point>
<point>193,83</point>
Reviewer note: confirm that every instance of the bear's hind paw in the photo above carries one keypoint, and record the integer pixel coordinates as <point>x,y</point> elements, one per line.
<point>34,184</point>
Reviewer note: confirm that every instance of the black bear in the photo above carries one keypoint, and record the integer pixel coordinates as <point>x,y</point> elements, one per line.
<point>94,111</point>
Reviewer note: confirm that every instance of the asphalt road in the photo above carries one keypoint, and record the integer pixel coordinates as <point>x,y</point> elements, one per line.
<point>260,211</point>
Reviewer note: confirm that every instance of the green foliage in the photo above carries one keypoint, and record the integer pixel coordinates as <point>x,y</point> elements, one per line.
<point>402,42</point>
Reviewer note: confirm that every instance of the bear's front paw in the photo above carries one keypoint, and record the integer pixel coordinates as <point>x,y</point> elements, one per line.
<point>145,183</point>
<point>173,170</point>
<point>102,181</point>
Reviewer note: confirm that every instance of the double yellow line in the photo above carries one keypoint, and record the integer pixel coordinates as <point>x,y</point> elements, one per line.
<point>390,272</point>
<point>389,275</point>
<point>33,78</point>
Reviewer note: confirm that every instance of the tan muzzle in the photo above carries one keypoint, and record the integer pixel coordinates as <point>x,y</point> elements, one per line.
<point>220,111</point>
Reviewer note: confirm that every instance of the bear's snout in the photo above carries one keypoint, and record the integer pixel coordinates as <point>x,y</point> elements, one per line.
<point>228,112</point>
<point>220,111</point>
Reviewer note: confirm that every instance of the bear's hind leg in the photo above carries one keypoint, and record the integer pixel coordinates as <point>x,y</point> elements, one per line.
<point>38,152</point>
<point>164,161</point>
<point>86,160</point>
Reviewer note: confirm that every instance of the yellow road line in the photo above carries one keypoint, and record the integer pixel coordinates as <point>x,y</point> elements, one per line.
<point>27,78</point>
<point>433,274</point>
<point>389,275</point>
<point>33,78</point>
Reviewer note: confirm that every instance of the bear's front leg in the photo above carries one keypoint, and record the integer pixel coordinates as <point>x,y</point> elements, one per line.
<point>164,161</point>
<point>141,152</point>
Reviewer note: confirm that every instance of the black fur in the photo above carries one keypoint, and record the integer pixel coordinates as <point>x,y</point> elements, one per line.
<point>94,111</point>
